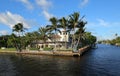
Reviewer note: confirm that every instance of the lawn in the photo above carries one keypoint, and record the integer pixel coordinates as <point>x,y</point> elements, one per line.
<point>8,49</point>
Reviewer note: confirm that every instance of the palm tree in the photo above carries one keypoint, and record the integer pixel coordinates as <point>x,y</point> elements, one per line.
<point>53,27</point>
<point>35,36</point>
<point>14,41</point>
<point>73,22</point>
<point>19,29</point>
<point>43,33</point>
<point>64,24</point>
<point>116,35</point>
<point>76,22</point>
<point>80,32</point>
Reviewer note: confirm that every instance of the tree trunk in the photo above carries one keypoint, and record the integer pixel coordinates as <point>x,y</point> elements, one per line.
<point>65,39</point>
<point>75,47</point>
<point>78,40</point>
<point>72,42</point>
<point>55,42</point>
<point>74,37</point>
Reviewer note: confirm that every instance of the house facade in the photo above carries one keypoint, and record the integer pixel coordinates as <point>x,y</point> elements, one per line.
<point>57,41</point>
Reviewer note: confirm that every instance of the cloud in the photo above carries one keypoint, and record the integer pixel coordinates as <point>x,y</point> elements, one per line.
<point>47,15</point>
<point>3,32</point>
<point>10,19</point>
<point>27,4</point>
<point>103,22</point>
<point>44,4</point>
<point>83,3</point>
<point>104,29</point>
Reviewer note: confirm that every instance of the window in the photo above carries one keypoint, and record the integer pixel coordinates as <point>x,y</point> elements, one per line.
<point>65,33</point>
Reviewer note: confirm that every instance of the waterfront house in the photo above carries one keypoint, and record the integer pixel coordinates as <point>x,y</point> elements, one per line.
<point>57,41</point>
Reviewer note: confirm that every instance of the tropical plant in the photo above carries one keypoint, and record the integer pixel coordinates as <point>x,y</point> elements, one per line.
<point>90,39</point>
<point>3,40</point>
<point>81,31</point>
<point>76,25</point>
<point>73,22</point>
<point>63,23</point>
<point>53,27</point>
<point>18,29</point>
<point>14,42</point>
<point>43,33</point>
<point>35,36</point>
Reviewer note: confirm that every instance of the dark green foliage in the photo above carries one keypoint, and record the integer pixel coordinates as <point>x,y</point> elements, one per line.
<point>115,41</point>
<point>17,39</point>
<point>3,41</point>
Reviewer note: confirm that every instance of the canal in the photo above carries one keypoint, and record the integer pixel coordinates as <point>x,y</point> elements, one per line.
<point>103,61</point>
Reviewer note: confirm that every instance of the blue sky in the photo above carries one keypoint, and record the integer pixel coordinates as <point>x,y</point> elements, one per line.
<point>103,16</point>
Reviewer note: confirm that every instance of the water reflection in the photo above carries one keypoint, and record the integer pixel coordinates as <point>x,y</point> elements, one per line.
<point>103,61</point>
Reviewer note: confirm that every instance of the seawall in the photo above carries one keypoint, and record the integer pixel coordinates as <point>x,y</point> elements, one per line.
<point>55,53</point>
<point>84,49</point>
<point>58,53</point>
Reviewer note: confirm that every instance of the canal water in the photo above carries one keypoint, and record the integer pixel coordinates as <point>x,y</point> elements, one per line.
<point>103,61</point>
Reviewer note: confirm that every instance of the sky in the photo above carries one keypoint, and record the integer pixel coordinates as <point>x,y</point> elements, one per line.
<point>102,16</point>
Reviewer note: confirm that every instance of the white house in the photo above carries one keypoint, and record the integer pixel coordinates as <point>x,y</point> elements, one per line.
<point>58,40</point>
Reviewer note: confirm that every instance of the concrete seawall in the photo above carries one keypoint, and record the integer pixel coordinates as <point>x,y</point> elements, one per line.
<point>55,53</point>
<point>58,53</point>
<point>84,49</point>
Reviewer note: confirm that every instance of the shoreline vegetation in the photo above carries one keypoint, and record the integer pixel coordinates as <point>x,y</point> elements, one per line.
<point>115,41</point>
<point>64,36</point>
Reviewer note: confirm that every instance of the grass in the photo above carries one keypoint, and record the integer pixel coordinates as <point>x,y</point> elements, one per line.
<point>47,49</point>
<point>8,49</point>
<point>34,49</point>
<point>64,49</point>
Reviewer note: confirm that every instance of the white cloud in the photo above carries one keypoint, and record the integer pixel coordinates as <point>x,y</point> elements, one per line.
<point>3,32</point>
<point>103,22</point>
<point>47,15</point>
<point>84,2</point>
<point>104,29</point>
<point>27,4</point>
<point>44,4</point>
<point>10,19</point>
